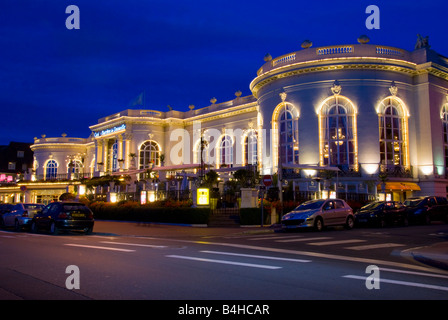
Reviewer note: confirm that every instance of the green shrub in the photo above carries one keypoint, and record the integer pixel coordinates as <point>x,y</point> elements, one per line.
<point>143,213</point>
<point>252,216</point>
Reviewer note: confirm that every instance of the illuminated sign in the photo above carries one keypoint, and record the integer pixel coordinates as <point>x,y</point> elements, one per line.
<point>203,197</point>
<point>143,197</point>
<point>109,131</point>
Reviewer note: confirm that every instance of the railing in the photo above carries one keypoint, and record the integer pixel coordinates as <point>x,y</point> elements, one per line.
<point>389,51</point>
<point>355,50</point>
<point>284,59</point>
<point>334,50</point>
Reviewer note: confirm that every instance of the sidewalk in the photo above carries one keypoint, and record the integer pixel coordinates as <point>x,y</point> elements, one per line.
<point>434,256</point>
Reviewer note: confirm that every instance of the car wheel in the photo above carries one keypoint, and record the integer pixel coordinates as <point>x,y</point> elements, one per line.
<point>319,224</point>
<point>33,227</point>
<point>405,222</point>
<point>382,223</point>
<point>17,226</point>
<point>88,230</point>
<point>350,223</point>
<point>53,228</point>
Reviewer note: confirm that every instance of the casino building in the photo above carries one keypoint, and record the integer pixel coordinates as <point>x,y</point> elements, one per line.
<point>356,121</point>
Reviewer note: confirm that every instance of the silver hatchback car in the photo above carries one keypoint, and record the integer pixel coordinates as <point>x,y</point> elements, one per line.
<point>21,215</point>
<point>319,214</point>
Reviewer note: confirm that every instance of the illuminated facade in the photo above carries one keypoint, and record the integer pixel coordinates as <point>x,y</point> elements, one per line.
<point>375,117</point>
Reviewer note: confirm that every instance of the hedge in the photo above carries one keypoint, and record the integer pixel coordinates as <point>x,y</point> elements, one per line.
<point>183,215</point>
<point>252,216</point>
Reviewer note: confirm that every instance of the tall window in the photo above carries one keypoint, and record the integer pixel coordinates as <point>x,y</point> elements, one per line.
<point>288,144</point>
<point>51,170</point>
<point>149,154</point>
<point>392,133</point>
<point>226,151</point>
<point>338,133</point>
<point>285,122</point>
<point>204,150</point>
<point>75,167</point>
<point>250,148</point>
<point>115,156</point>
<point>444,116</point>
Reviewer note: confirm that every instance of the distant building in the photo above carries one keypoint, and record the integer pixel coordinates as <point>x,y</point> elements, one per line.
<point>357,121</point>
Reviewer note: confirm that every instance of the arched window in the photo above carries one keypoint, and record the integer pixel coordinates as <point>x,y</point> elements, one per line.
<point>393,133</point>
<point>51,170</point>
<point>225,150</point>
<point>285,125</point>
<point>204,150</point>
<point>444,117</point>
<point>75,168</point>
<point>338,137</point>
<point>149,154</point>
<point>251,148</point>
<point>115,156</point>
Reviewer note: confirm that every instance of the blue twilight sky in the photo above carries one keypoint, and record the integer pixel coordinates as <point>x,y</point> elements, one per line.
<point>179,52</point>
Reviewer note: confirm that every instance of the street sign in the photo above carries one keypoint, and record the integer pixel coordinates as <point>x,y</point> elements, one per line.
<point>267,180</point>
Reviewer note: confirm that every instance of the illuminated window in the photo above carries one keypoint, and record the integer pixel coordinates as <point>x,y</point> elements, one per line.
<point>149,154</point>
<point>75,168</point>
<point>444,116</point>
<point>226,151</point>
<point>285,123</point>
<point>51,170</point>
<point>288,137</point>
<point>392,134</point>
<point>338,133</point>
<point>115,156</point>
<point>250,147</point>
<point>198,150</point>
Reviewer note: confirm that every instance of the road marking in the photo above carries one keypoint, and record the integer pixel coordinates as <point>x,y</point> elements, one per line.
<point>414,273</point>
<point>375,246</point>
<point>134,244</point>
<point>225,262</point>
<point>329,243</point>
<point>97,247</point>
<point>403,283</point>
<point>304,239</point>
<point>272,237</point>
<point>255,256</point>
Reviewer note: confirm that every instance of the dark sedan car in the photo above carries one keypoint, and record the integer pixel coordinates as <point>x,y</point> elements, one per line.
<point>426,209</point>
<point>64,216</point>
<point>382,213</point>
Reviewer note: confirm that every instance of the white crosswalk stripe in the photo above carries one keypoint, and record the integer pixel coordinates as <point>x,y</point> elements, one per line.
<point>375,246</point>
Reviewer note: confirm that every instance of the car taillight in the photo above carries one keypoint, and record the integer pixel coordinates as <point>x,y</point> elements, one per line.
<point>25,214</point>
<point>63,215</point>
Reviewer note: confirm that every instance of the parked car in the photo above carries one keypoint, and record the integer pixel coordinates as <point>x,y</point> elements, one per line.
<point>423,210</point>
<point>21,215</point>
<point>4,208</point>
<point>319,214</point>
<point>64,216</point>
<point>382,213</point>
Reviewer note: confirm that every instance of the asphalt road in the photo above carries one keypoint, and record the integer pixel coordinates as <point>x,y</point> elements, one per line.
<point>129,261</point>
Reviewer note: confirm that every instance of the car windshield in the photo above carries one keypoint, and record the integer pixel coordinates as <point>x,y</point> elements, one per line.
<point>412,202</point>
<point>33,206</point>
<point>74,207</point>
<point>313,204</point>
<point>372,205</point>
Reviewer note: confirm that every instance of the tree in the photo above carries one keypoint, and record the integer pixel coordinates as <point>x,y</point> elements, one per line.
<point>210,179</point>
<point>246,178</point>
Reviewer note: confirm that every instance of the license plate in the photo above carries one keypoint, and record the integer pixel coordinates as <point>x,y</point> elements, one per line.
<point>78,215</point>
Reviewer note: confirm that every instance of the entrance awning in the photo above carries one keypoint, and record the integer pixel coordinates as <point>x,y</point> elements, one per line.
<point>400,186</point>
